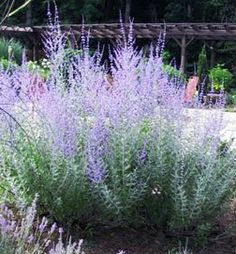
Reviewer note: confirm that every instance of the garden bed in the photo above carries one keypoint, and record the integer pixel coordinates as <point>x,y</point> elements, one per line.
<point>142,241</point>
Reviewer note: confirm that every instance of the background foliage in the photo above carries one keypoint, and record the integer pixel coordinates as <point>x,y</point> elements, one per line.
<point>143,11</point>
<point>98,11</point>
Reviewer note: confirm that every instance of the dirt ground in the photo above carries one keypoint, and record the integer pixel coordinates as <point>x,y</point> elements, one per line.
<point>146,241</point>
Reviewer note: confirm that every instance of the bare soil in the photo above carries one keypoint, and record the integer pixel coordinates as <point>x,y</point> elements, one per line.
<point>146,241</point>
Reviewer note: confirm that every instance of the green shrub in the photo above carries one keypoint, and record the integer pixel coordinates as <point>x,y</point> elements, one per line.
<point>172,72</point>
<point>66,194</point>
<point>189,182</point>
<point>127,183</point>
<point>166,56</point>
<point>175,184</point>
<point>231,98</point>
<point>221,77</point>
<point>202,66</point>
<point>6,63</point>
<point>11,49</point>
<point>42,67</point>
<point>21,233</point>
<point>61,183</point>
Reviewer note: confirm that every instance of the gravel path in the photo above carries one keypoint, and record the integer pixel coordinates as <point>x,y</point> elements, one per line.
<point>229,122</point>
<point>230,125</point>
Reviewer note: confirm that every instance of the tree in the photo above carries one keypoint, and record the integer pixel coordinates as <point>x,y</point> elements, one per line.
<point>127,10</point>
<point>72,11</point>
<point>9,11</point>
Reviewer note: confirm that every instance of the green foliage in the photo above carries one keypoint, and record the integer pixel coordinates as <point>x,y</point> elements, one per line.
<point>65,191</point>
<point>231,98</point>
<point>202,67</point>
<point>172,72</point>
<point>178,185</point>
<point>189,184</point>
<point>61,183</point>
<point>202,233</point>
<point>69,56</point>
<point>11,49</point>
<point>42,68</point>
<point>21,232</point>
<point>221,77</point>
<point>7,64</point>
<point>166,57</point>
<point>71,11</point>
<point>90,9</point>
<point>126,185</point>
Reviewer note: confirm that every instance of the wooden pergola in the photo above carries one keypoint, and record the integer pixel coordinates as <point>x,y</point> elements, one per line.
<point>182,33</point>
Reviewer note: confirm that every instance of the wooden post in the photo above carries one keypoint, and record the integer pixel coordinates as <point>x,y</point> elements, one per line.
<point>29,15</point>
<point>35,50</point>
<point>183,54</point>
<point>34,53</point>
<point>212,56</point>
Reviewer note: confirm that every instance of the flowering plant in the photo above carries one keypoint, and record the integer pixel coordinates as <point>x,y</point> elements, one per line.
<point>120,153</point>
<point>23,235</point>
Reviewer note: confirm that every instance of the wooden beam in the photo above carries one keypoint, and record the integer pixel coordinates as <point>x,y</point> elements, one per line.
<point>180,28</point>
<point>188,43</point>
<point>201,31</point>
<point>227,28</point>
<point>183,55</point>
<point>195,27</point>
<point>177,41</point>
<point>211,28</point>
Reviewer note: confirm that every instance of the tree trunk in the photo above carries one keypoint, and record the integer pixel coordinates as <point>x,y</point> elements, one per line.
<point>29,15</point>
<point>189,11</point>
<point>127,10</point>
<point>153,12</point>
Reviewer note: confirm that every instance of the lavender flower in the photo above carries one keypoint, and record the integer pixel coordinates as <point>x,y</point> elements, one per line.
<point>143,155</point>
<point>43,225</point>
<point>22,236</point>
<point>96,151</point>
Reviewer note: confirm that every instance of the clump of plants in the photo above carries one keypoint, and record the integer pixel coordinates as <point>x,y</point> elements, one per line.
<point>171,70</point>
<point>220,77</point>
<point>41,68</point>
<point>117,152</point>
<point>202,65</point>
<point>10,49</point>
<point>174,73</point>
<point>231,97</point>
<point>22,233</point>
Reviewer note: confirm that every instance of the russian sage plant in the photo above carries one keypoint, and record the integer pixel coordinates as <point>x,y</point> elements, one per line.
<point>119,151</point>
<point>22,234</point>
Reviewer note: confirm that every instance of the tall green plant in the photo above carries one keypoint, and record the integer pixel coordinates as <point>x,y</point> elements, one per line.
<point>11,49</point>
<point>202,66</point>
<point>221,77</point>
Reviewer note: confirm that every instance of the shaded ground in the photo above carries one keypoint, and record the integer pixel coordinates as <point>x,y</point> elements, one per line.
<point>151,242</point>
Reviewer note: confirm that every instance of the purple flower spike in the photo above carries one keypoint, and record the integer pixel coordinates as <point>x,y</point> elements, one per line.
<point>96,150</point>
<point>143,155</point>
